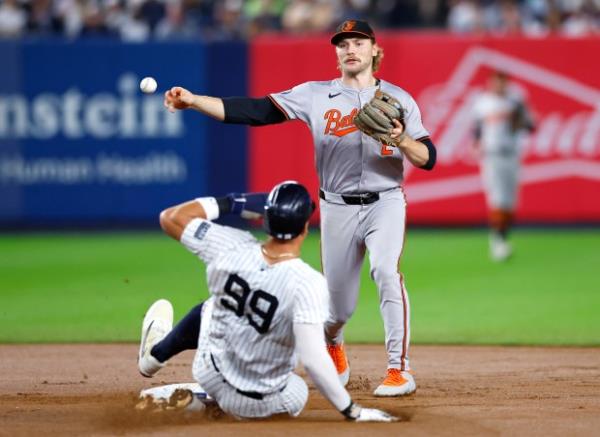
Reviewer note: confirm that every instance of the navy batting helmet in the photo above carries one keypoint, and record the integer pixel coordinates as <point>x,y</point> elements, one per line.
<point>287,210</point>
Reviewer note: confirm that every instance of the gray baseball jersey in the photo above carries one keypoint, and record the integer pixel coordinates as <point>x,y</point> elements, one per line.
<point>494,114</point>
<point>347,160</point>
<point>499,144</point>
<point>350,162</point>
<point>250,336</point>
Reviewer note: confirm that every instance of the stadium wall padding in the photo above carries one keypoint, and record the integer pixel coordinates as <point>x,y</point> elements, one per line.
<point>81,145</point>
<point>560,177</point>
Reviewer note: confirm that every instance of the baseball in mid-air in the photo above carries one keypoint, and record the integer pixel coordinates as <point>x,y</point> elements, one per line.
<point>148,85</point>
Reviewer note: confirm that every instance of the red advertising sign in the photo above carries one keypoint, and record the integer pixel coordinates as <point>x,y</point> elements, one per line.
<point>560,176</point>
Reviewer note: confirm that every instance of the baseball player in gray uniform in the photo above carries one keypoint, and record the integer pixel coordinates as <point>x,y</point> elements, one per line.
<point>501,115</point>
<point>266,308</point>
<point>363,206</point>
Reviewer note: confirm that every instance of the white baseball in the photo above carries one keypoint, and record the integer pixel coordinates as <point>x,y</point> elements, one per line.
<point>148,85</point>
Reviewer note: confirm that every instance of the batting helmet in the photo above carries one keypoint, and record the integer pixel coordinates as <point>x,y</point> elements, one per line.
<point>287,210</point>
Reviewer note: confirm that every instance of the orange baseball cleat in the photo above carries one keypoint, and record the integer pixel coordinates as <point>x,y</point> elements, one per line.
<point>337,353</point>
<point>396,383</point>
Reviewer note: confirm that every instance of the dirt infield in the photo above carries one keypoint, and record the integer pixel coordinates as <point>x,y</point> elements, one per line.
<point>91,390</point>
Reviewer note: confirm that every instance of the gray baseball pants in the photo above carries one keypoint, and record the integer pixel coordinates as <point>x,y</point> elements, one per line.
<point>347,232</point>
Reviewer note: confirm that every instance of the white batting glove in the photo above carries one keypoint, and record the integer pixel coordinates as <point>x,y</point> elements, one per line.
<point>359,414</point>
<point>374,415</point>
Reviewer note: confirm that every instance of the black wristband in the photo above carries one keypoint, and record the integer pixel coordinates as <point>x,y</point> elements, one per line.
<point>224,204</point>
<point>352,411</point>
<point>432,153</point>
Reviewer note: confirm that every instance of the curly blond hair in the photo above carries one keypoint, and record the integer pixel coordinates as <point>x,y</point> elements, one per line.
<point>377,59</point>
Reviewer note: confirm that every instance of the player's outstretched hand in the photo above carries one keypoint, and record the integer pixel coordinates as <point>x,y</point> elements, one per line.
<point>375,415</point>
<point>359,414</point>
<point>178,98</point>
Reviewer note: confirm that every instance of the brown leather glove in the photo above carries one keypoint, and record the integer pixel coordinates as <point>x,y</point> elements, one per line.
<point>376,118</point>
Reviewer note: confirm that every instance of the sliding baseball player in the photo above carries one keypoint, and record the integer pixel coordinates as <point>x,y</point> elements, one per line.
<point>267,307</point>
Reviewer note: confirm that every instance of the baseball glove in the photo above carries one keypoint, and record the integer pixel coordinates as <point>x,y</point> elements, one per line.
<point>376,118</point>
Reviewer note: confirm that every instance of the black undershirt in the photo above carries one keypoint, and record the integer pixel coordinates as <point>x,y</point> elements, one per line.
<point>254,112</point>
<point>262,112</point>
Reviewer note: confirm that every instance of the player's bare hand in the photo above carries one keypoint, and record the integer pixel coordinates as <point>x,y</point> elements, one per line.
<point>178,98</point>
<point>398,130</point>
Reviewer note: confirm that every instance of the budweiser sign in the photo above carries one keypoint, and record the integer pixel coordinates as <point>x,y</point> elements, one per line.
<point>560,177</point>
<point>566,143</point>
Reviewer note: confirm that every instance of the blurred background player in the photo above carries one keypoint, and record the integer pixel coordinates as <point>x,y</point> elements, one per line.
<point>501,115</point>
<point>266,305</point>
<point>363,206</point>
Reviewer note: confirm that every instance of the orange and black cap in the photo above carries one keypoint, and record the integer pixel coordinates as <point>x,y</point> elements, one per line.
<point>352,28</point>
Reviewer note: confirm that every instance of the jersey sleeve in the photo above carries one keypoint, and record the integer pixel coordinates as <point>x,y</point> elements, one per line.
<point>311,300</point>
<point>295,103</point>
<point>412,121</point>
<point>208,240</point>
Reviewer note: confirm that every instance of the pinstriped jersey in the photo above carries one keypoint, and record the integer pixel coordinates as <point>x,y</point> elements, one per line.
<point>255,306</point>
<point>347,160</point>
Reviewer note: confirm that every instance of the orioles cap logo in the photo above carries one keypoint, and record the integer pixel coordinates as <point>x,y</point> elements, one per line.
<point>348,26</point>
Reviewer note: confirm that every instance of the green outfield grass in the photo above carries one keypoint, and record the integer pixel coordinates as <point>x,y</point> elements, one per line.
<point>96,287</point>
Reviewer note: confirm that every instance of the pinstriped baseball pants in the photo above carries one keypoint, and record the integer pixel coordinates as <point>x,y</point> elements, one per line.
<point>290,400</point>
